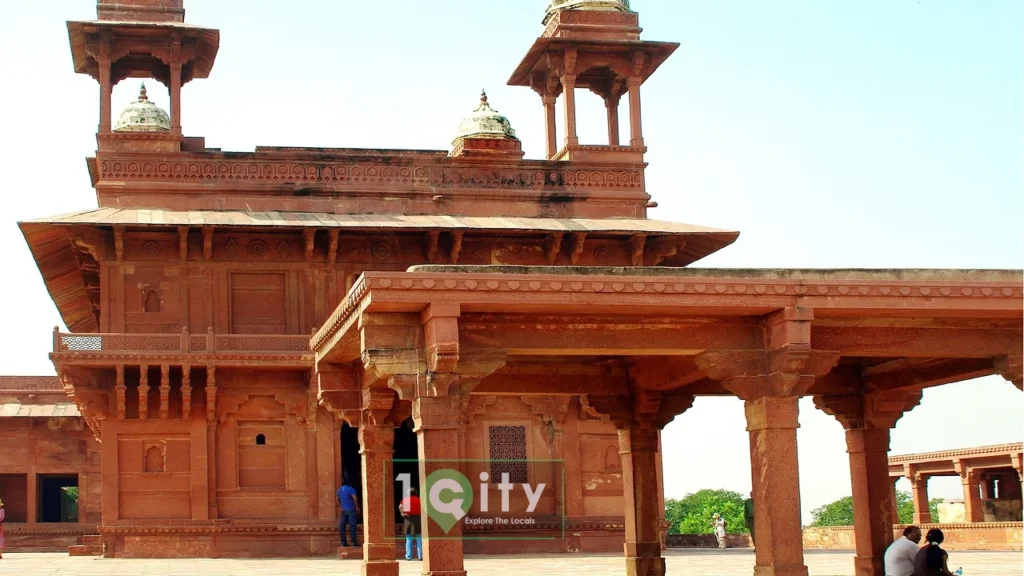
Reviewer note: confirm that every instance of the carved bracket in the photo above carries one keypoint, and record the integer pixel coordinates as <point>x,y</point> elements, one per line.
<point>1012,368</point>
<point>879,410</point>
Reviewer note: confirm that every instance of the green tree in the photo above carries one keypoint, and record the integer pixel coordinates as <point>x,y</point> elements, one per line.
<point>840,512</point>
<point>693,513</point>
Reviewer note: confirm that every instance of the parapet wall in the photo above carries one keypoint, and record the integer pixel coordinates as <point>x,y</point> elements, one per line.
<point>979,536</point>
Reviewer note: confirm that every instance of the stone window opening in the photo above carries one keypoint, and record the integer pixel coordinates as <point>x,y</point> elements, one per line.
<point>154,459</point>
<point>507,449</point>
<point>261,440</point>
<point>151,302</point>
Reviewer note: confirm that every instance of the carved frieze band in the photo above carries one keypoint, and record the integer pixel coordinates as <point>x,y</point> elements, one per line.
<point>362,175</point>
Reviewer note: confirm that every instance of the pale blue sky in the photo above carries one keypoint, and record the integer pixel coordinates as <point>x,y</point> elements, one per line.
<point>879,134</point>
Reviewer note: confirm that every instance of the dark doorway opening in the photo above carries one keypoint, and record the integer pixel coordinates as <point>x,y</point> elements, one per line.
<point>58,498</point>
<point>407,449</point>
<point>351,462</point>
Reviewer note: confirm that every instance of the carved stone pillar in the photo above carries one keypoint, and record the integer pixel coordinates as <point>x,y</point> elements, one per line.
<point>376,442</point>
<point>165,390</point>
<point>868,420</point>
<point>106,88</point>
<point>638,419</point>
<point>176,98</point>
<point>569,103</point>
<point>772,424</point>
<point>636,133</point>
<point>186,392</point>
<point>550,128</point>
<point>919,490</point>
<point>894,500</point>
<point>438,431</point>
<point>638,446</point>
<point>143,392</point>
<point>611,104</point>
<point>969,479</point>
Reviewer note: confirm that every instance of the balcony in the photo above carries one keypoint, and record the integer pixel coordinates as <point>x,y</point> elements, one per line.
<point>211,348</point>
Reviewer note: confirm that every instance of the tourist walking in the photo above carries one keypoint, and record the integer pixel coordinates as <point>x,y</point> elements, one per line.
<point>410,509</point>
<point>719,524</point>
<point>899,556</point>
<point>748,519</point>
<point>348,498</point>
<point>932,560</point>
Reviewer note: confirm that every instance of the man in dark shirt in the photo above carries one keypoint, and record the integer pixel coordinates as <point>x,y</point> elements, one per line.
<point>348,498</point>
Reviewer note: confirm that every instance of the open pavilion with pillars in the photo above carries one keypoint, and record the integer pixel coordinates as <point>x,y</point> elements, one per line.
<point>863,344</point>
<point>988,474</point>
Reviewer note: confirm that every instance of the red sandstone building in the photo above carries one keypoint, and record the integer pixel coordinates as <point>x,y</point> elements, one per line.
<point>464,305</point>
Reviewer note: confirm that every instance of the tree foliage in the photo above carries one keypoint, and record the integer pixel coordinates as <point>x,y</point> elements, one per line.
<point>840,512</point>
<point>693,513</point>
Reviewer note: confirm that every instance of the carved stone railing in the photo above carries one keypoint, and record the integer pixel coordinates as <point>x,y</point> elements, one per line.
<point>209,343</point>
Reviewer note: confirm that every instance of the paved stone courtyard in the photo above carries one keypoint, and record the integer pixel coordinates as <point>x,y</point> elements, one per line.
<point>711,562</point>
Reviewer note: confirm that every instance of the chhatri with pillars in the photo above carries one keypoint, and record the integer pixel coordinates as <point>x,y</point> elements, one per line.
<point>464,305</point>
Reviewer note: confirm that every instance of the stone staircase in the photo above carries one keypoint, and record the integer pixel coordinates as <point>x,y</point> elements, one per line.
<point>92,545</point>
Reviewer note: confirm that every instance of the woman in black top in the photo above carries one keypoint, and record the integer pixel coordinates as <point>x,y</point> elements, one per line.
<point>932,560</point>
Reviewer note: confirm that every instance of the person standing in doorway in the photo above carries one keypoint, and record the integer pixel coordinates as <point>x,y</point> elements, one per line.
<point>410,509</point>
<point>348,498</point>
<point>719,524</point>
<point>748,519</point>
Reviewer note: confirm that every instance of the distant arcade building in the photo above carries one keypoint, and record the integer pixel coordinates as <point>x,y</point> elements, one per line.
<point>246,329</point>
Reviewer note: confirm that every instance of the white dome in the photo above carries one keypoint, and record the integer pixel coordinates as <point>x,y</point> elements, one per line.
<point>485,122</point>
<point>143,116</point>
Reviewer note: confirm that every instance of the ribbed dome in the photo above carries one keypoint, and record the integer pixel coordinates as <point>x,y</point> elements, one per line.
<point>143,116</point>
<point>559,5</point>
<point>485,122</point>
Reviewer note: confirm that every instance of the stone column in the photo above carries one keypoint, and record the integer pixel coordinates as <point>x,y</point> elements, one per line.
<point>772,424</point>
<point>636,132</point>
<point>437,430</point>
<point>872,498</point>
<point>32,497</point>
<point>569,103</point>
<point>106,87</point>
<point>895,500</point>
<point>919,490</point>
<point>376,443</point>
<point>176,98</point>
<point>550,128</point>
<point>611,104</point>
<point>969,477</point>
<point>868,419</point>
<point>638,446</point>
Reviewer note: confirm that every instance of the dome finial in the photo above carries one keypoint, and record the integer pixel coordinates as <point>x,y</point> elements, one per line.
<point>142,93</point>
<point>483,96</point>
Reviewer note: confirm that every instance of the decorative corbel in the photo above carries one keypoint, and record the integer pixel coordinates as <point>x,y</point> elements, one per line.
<point>119,243</point>
<point>433,238</point>
<point>578,239</point>
<point>456,246</point>
<point>183,242</point>
<point>636,249</point>
<point>1011,367</point>
<point>309,238</point>
<point>552,246</point>
<point>663,248</point>
<point>332,247</point>
<point>207,243</point>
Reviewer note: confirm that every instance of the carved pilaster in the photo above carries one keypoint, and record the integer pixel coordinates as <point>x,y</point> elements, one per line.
<point>211,393</point>
<point>165,390</point>
<point>143,392</point>
<point>186,392</point>
<point>120,391</point>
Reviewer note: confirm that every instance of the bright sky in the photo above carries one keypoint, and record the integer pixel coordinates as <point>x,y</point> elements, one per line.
<point>875,134</point>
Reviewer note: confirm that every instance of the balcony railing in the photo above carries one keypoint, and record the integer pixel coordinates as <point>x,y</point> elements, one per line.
<point>209,343</point>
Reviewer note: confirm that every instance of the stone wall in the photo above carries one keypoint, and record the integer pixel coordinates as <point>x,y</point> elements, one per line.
<point>707,541</point>
<point>979,536</point>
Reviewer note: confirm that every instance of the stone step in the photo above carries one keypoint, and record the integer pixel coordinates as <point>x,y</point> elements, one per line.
<point>92,540</point>
<point>84,550</point>
<point>350,552</point>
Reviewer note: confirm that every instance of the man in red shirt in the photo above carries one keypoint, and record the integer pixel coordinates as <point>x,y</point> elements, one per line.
<point>410,508</point>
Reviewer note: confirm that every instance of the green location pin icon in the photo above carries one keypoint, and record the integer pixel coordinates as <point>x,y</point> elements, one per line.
<point>449,497</point>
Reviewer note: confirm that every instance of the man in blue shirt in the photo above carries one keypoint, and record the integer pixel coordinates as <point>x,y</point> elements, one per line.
<point>349,501</point>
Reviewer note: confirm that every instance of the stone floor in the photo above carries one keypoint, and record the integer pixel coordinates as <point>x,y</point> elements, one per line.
<point>711,562</point>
